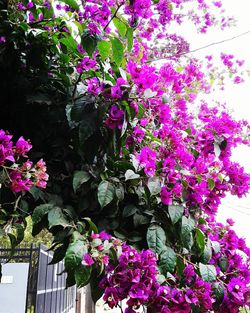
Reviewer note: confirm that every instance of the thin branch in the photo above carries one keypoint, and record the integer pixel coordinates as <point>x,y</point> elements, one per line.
<point>120,306</point>
<point>75,87</point>
<point>112,17</point>
<point>201,48</point>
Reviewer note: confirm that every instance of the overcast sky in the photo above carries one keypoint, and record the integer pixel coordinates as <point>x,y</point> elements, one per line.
<point>236,97</point>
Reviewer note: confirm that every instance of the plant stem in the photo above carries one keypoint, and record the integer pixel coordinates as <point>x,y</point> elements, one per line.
<point>112,17</point>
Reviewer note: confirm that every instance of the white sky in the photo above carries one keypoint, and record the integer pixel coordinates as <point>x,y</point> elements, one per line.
<point>237,97</point>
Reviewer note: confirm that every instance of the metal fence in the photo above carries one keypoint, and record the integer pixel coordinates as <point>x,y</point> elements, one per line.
<point>46,291</point>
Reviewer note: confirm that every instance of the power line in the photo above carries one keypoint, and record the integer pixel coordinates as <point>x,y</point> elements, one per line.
<point>203,47</point>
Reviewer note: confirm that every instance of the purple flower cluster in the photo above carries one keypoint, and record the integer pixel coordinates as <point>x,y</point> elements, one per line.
<point>99,249</point>
<point>115,118</point>
<point>236,270</point>
<point>20,176</point>
<point>134,279</point>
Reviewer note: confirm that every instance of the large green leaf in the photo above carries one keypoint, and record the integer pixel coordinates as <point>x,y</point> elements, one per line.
<point>82,275</point>
<point>104,48</point>
<point>186,232</point>
<point>218,290</point>
<point>180,266</point>
<point>74,254</point>
<point>57,217</point>
<point>79,178</point>
<point>70,43</point>
<point>175,212</point>
<point>96,291</point>
<point>207,253</point>
<point>129,174</point>
<point>167,261</point>
<point>89,43</point>
<point>156,238</point>
<point>120,26</point>
<point>200,239</point>
<point>140,219</point>
<point>87,128</point>
<point>117,50</point>
<point>207,272</point>
<point>59,254</point>
<point>40,211</point>
<point>129,209</point>
<point>154,185</point>
<point>130,38</point>
<point>19,232</point>
<point>92,226</point>
<point>119,191</point>
<point>223,263</point>
<point>105,193</point>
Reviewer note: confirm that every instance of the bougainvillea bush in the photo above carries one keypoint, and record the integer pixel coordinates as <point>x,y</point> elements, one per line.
<point>138,163</point>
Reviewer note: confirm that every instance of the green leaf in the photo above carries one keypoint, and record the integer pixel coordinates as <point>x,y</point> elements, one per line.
<point>211,183</point>
<point>130,38</point>
<point>124,165</point>
<point>59,254</point>
<point>117,49</point>
<point>216,246</point>
<point>74,254</point>
<point>104,48</point>
<point>89,43</point>
<point>129,174</point>
<point>207,272</point>
<point>223,263</point>
<point>13,241</point>
<point>40,211</point>
<point>186,232</point>
<point>167,261</point>
<point>70,280</point>
<point>72,3</point>
<point>141,111</point>
<point>218,290</point>
<point>140,219</point>
<point>87,128</point>
<point>154,185</point>
<point>175,212</point>
<point>105,193</point>
<point>119,191</point>
<point>19,233</point>
<point>134,236</point>
<point>70,43</point>
<point>129,210</point>
<point>56,217</point>
<point>92,226</point>
<point>120,26</point>
<point>180,266</point>
<point>82,275</point>
<point>79,178</point>
<point>207,253</point>
<point>200,239</point>
<point>156,238</point>
<point>96,291</point>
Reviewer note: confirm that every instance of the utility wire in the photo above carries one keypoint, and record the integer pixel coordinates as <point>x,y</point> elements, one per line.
<point>203,47</point>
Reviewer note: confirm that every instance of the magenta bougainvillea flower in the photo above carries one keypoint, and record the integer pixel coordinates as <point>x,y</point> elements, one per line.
<point>21,175</point>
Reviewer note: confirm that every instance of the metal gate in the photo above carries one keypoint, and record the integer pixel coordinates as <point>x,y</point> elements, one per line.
<point>46,291</point>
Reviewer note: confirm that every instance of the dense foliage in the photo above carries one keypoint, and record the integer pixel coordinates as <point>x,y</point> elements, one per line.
<point>129,147</point>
